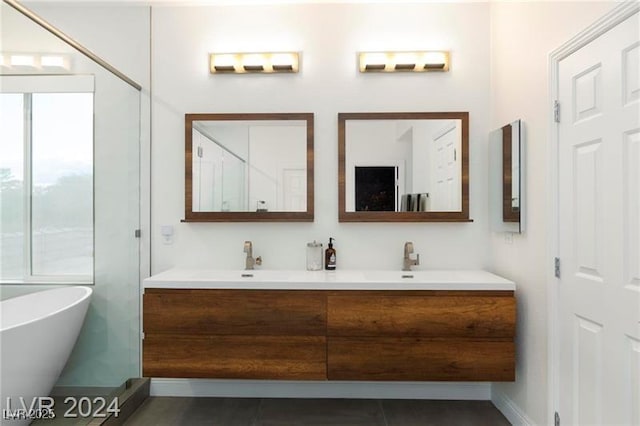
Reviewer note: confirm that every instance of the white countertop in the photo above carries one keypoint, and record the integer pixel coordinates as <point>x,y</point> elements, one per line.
<point>328,280</point>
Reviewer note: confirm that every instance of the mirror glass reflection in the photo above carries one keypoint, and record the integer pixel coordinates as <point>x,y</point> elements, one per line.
<point>248,163</point>
<point>511,172</point>
<point>249,166</point>
<point>415,165</point>
<point>404,163</point>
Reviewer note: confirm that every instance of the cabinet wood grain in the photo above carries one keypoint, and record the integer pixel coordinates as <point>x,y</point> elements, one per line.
<point>420,359</point>
<point>235,312</point>
<point>427,316</point>
<point>235,357</point>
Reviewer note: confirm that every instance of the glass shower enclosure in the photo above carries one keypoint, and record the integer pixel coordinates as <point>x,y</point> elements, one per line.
<point>70,191</point>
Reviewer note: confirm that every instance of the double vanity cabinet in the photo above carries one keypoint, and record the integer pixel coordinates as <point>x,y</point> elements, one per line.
<point>343,325</point>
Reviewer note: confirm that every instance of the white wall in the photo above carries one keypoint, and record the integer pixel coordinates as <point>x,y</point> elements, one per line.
<point>421,156</point>
<point>328,35</point>
<point>522,36</point>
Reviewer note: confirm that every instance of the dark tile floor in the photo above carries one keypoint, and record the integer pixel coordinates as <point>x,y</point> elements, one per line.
<point>165,411</point>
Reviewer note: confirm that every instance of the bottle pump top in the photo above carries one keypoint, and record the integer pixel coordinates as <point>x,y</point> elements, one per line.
<point>331,242</point>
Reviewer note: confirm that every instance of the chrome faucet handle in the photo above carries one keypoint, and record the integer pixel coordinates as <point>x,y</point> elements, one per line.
<point>259,260</point>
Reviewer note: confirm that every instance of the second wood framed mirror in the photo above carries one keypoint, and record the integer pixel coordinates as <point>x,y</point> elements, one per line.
<point>403,167</point>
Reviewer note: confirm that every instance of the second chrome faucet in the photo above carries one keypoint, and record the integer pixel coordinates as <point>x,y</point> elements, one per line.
<point>250,262</point>
<point>407,261</point>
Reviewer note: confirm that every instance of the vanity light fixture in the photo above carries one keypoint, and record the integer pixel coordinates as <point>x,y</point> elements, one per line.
<point>240,63</point>
<point>22,61</point>
<point>403,61</point>
<point>35,61</point>
<point>55,62</point>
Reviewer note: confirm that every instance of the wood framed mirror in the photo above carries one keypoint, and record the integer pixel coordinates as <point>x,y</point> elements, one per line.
<point>249,167</point>
<point>403,167</point>
<point>506,178</point>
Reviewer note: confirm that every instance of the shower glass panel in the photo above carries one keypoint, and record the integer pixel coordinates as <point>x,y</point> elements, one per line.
<point>70,193</point>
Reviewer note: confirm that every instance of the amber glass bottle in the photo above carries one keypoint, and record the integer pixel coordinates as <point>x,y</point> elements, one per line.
<point>330,257</point>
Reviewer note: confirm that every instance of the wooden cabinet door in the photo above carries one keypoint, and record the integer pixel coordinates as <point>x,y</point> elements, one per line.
<point>236,357</point>
<point>420,359</point>
<point>235,312</point>
<point>242,334</point>
<point>421,336</point>
<point>441,315</point>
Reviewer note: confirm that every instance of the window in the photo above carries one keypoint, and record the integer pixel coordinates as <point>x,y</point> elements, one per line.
<point>46,182</point>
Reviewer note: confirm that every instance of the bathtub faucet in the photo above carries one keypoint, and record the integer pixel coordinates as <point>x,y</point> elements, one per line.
<point>250,262</point>
<point>408,262</point>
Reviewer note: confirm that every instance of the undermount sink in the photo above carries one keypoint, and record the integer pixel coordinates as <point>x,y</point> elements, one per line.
<point>329,280</point>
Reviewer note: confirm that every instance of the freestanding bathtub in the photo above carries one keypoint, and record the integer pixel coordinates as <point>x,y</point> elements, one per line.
<point>37,333</point>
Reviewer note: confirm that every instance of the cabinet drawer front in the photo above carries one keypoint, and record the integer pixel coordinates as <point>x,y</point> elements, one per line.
<point>420,359</point>
<point>235,357</point>
<point>427,316</point>
<point>235,312</point>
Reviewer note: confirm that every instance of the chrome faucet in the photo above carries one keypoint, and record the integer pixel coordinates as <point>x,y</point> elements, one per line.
<point>408,262</point>
<point>250,262</point>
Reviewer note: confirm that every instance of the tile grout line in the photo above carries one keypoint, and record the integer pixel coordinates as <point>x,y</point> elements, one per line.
<point>384,415</point>
<point>258,412</point>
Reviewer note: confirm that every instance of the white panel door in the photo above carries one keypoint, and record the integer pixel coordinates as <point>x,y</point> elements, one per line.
<point>446,167</point>
<point>599,223</point>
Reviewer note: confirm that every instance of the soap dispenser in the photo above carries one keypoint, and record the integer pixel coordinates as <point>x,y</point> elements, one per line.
<point>330,257</point>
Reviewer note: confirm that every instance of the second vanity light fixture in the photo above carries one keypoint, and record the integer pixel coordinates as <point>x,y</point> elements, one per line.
<point>403,61</point>
<point>264,62</point>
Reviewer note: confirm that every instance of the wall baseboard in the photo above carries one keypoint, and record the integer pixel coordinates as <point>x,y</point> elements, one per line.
<point>310,389</point>
<point>510,410</point>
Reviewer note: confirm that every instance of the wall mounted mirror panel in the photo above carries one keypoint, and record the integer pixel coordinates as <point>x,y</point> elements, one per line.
<point>248,167</point>
<point>506,165</point>
<point>403,167</point>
